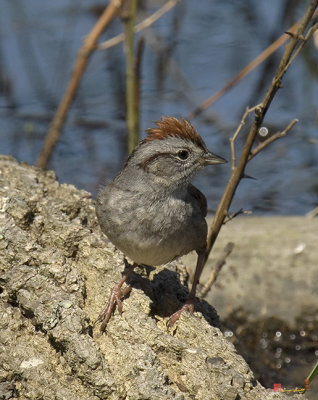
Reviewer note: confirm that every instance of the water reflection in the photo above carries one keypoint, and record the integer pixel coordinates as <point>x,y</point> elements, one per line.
<point>275,351</point>
<point>189,54</point>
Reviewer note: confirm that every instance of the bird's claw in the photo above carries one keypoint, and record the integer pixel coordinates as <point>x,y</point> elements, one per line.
<point>188,306</point>
<point>115,298</point>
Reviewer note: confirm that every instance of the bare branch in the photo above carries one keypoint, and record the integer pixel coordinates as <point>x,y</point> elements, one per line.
<point>303,40</point>
<point>83,55</point>
<point>272,139</point>
<point>260,112</point>
<point>233,138</point>
<point>313,213</point>
<point>216,270</point>
<point>139,27</point>
<point>235,214</point>
<point>132,88</point>
<point>249,68</point>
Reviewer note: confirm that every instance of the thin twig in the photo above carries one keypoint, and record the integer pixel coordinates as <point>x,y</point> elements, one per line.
<point>233,138</point>
<point>260,112</point>
<point>246,70</point>
<point>170,64</point>
<point>216,270</point>
<point>310,377</point>
<point>235,214</point>
<point>176,72</point>
<point>83,55</point>
<point>139,27</point>
<point>303,40</point>
<point>272,139</point>
<point>313,213</point>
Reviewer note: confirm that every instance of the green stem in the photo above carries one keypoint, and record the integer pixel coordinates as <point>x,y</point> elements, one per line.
<point>311,376</point>
<point>132,104</point>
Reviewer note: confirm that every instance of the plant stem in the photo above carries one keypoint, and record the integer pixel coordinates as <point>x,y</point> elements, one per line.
<point>260,112</point>
<point>132,103</point>
<point>81,62</point>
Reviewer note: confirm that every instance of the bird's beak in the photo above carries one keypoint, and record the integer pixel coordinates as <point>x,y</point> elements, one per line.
<point>210,158</point>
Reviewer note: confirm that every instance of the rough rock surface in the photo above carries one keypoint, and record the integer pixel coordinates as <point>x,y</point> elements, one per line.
<point>56,271</point>
<point>272,271</point>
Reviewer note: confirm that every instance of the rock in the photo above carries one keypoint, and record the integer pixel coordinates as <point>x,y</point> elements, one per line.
<point>57,270</point>
<point>272,271</point>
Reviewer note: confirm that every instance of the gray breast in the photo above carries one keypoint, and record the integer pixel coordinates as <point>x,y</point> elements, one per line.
<point>148,229</point>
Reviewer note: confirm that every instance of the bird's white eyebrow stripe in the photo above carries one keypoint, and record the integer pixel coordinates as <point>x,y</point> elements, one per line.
<point>144,163</point>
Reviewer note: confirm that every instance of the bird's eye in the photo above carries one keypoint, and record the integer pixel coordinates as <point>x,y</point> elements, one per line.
<point>183,154</point>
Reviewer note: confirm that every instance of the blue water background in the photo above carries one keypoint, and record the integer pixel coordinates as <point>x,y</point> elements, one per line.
<point>208,42</point>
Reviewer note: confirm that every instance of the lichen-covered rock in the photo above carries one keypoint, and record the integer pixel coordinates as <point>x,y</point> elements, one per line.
<point>56,271</point>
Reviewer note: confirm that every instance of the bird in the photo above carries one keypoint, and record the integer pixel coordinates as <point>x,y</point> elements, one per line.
<point>151,211</point>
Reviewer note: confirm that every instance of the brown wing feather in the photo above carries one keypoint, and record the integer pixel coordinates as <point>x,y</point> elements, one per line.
<point>200,197</point>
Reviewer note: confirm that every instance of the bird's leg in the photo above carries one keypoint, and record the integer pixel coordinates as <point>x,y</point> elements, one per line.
<point>189,304</point>
<point>115,298</point>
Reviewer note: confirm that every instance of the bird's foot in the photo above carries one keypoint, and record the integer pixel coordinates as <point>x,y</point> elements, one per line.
<point>115,298</point>
<point>188,306</point>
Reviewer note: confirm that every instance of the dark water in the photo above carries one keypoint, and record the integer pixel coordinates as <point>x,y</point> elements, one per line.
<point>207,43</point>
<point>276,352</point>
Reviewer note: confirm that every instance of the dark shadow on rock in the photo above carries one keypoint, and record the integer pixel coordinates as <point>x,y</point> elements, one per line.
<point>168,295</point>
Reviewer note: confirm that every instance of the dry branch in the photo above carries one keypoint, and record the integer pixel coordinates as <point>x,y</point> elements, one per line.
<point>246,70</point>
<point>236,133</point>
<point>272,139</point>
<point>83,55</point>
<point>292,48</point>
<point>235,214</point>
<point>139,27</point>
<point>216,270</point>
<point>132,105</point>
<point>313,213</point>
